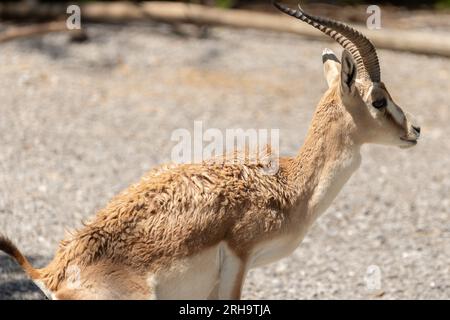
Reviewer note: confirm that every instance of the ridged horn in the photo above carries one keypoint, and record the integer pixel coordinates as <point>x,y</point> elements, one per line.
<point>361,48</point>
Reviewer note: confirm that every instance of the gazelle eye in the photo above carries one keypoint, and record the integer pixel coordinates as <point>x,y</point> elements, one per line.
<point>379,103</point>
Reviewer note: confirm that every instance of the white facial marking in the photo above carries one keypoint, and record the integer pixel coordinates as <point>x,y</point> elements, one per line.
<point>396,113</point>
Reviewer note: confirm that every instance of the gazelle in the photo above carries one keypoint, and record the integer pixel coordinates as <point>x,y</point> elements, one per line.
<point>194,230</point>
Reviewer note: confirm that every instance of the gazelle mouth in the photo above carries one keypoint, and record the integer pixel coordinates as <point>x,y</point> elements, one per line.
<point>411,142</point>
<point>414,141</point>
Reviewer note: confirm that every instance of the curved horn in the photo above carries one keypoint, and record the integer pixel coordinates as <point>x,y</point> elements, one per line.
<point>362,50</point>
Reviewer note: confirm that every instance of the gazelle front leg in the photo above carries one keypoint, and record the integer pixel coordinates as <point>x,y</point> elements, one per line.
<point>230,287</point>
<point>214,294</point>
<point>231,276</point>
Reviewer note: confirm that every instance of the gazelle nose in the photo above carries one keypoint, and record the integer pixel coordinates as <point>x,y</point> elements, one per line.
<point>417,129</point>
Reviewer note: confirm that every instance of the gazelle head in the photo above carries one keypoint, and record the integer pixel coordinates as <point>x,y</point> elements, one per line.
<point>377,118</point>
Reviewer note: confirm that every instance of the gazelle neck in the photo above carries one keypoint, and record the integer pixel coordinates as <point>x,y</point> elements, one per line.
<point>327,159</point>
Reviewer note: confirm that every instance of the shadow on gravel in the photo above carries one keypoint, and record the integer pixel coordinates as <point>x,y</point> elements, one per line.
<point>14,283</point>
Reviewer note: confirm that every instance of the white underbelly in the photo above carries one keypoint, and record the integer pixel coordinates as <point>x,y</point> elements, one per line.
<point>273,250</point>
<point>197,277</point>
<point>189,278</point>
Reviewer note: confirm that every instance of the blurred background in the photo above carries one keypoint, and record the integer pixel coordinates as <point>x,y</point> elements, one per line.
<point>85,113</point>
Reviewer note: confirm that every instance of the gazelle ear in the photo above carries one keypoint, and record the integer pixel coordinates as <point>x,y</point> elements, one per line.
<point>331,66</point>
<point>348,72</point>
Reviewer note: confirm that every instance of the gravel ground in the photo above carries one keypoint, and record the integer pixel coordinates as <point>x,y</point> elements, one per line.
<point>79,122</point>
